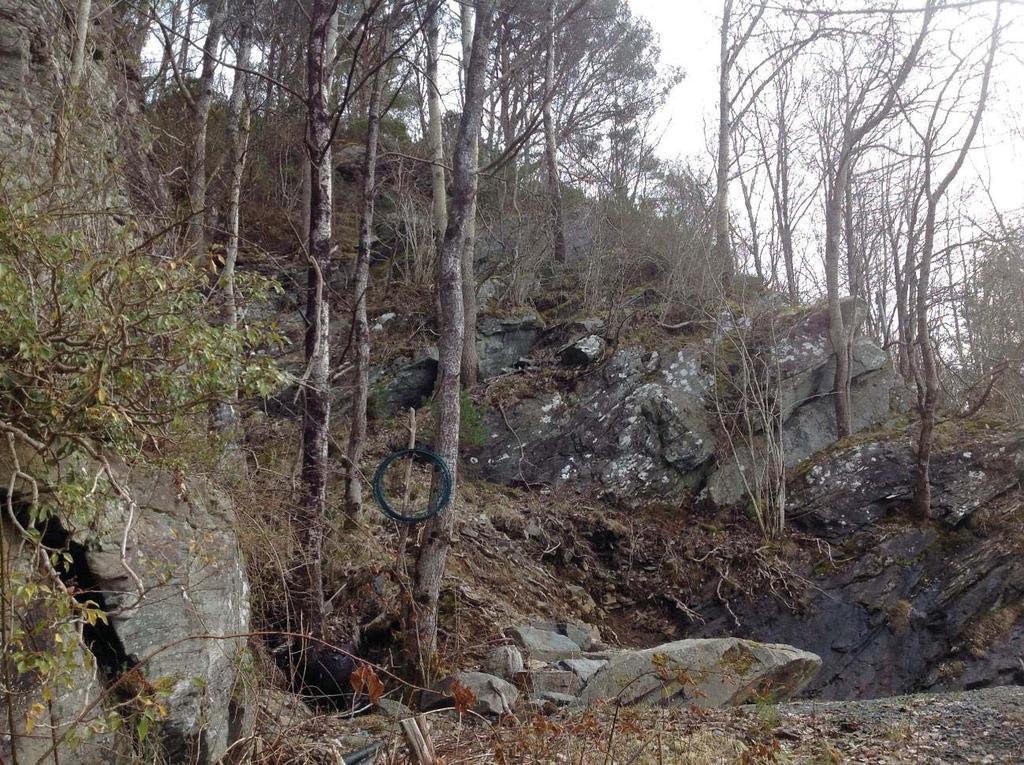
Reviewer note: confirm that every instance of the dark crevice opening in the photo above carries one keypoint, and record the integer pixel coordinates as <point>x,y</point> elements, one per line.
<point>100,638</point>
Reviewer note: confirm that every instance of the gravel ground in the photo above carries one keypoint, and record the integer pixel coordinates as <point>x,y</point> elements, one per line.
<point>976,727</point>
<point>982,726</point>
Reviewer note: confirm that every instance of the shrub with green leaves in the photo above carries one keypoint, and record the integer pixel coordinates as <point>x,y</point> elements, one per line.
<point>103,351</point>
<point>112,347</point>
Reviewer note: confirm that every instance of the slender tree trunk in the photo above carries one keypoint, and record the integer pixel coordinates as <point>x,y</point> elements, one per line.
<point>239,115</point>
<point>929,373</point>
<point>722,256</point>
<point>783,208</point>
<point>186,37</point>
<point>420,630</point>
<point>837,324</point>
<point>439,195</point>
<point>470,356</point>
<point>551,143</point>
<point>200,120</point>
<point>755,234</point>
<point>310,516</point>
<point>70,94</point>
<point>361,327</point>
<point>904,278</point>
<point>930,402</point>
<point>854,270</point>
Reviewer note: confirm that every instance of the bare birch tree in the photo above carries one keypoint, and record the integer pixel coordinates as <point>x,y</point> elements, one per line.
<point>470,357</point>
<point>435,139</point>
<point>200,105</point>
<point>69,96</point>
<point>420,617</point>
<point>310,515</point>
<point>862,107</point>
<point>935,192</point>
<point>239,119</point>
<point>361,283</point>
<point>729,52</point>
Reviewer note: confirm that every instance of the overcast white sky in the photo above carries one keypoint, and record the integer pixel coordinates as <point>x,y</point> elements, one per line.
<point>688,32</point>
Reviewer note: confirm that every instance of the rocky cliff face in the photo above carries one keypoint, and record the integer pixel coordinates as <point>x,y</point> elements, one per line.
<point>109,159</point>
<point>166,567</point>
<point>896,605</point>
<point>163,562</point>
<point>650,424</point>
<point>890,603</point>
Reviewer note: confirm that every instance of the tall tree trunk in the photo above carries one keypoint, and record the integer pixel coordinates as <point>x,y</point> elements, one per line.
<point>928,403</point>
<point>435,138</point>
<point>551,141</point>
<point>921,505</point>
<point>361,281</point>
<point>722,257</point>
<point>186,35</point>
<point>239,116</point>
<point>70,94</point>
<point>420,628</point>
<point>470,356</point>
<point>852,138</point>
<point>200,120</point>
<point>310,516</point>
<point>783,206</point>
<point>838,333</point>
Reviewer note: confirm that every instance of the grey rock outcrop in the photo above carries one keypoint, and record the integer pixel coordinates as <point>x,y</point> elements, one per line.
<point>492,695</point>
<point>413,383</point>
<point>904,606</point>
<point>646,425</point>
<point>583,352</point>
<point>637,428</point>
<point>544,645</point>
<point>168,569</point>
<point>853,488</point>
<point>110,151</point>
<point>805,393</point>
<point>708,673</point>
<point>501,342</point>
<point>182,546</point>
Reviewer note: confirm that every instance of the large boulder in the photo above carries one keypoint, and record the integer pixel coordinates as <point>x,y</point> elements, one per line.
<point>709,673</point>
<point>810,429</point>
<point>501,342</point>
<point>165,563</point>
<point>505,661</point>
<point>544,645</point>
<point>187,628</point>
<point>805,369</point>
<point>491,695</point>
